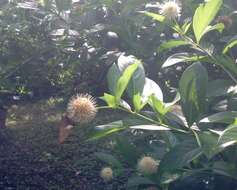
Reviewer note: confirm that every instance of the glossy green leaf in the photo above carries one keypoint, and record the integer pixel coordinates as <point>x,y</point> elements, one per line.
<point>154,16</point>
<point>219,27</point>
<point>151,88</point>
<point>221,117</point>
<point>228,136</point>
<point>112,78</point>
<point>138,102</point>
<point>159,106</point>
<point>107,129</point>
<point>186,27</point>
<point>150,127</point>
<point>230,44</point>
<point>110,100</point>
<point>124,80</point>
<point>225,169</point>
<point>192,88</point>
<point>219,87</point>
<point>182,58</point>
<point>228,64</point>
<point>180,156</point>
<point>172,44</point>
<point>137,82</point>
<point>209,144</point>
<point>203,16</point>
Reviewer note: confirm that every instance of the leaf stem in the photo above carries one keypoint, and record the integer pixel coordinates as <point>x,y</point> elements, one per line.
<point>151,120</point>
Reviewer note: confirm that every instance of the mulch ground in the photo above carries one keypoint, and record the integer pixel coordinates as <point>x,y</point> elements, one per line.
<point>32,159</point>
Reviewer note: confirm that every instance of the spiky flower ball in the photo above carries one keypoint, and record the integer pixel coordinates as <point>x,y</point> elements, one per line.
<point>81,108</point>
<point>147,165</point>
<point>170,9</point>
<point>106,173</point>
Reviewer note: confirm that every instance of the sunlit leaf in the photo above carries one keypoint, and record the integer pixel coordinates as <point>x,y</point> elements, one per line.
<point>230,44</point>
<point>204,15</point>
<point>221,117</point>
<point>154,16</point>
<point>182,58</point>
<point>110,100</point>
<point>151,88</point>
<point>112,78</point>
<point>172,44</point>
<point>150,127</point>
<point>124,80</point>
<point>107,129</point>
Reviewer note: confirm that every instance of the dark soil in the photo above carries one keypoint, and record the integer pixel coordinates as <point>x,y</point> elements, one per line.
<point>32,159</point>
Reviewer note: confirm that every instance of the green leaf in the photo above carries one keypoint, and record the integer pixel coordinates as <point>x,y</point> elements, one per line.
<point>228,136</point>
<point>155,16</point>
<point>225,169</point>
<point>209,144</point>
<point>124,80</point>
<point>136,181</point>
<point>192,88</point>
<point>230,44</point>
<point>124,104</point>
<point>150,127</point>
<point>219,88</point>
<point>127,150</point>
<point>159,106</point>
<point>171,44</point>
<point>138,102</point>
<point>112,78</point>
<point>110,100</point>
<point>109,159</point>
<point>137,82</point>
<point>228,64</point>
<point>186,27</point>
<point>107,129</point>
<point>182,57</point>
<point>151,88</point>
<point>180,156</point>
<point>63,5</point>
<point>203,16</point>
<point>219,27</point>
<point>221,117</point>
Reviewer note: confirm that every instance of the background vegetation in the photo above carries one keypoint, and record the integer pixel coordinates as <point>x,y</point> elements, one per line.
<point>175,79</point>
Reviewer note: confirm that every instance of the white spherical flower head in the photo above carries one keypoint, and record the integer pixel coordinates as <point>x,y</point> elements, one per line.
<point>106,173</point>
<point>170,9</point>
<point>81,108</point>
<point>147,165</point>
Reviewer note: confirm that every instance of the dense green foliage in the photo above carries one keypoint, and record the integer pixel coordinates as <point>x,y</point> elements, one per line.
<point>173,73</point>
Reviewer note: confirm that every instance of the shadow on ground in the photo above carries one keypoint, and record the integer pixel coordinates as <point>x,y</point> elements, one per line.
<point>32,159</point>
